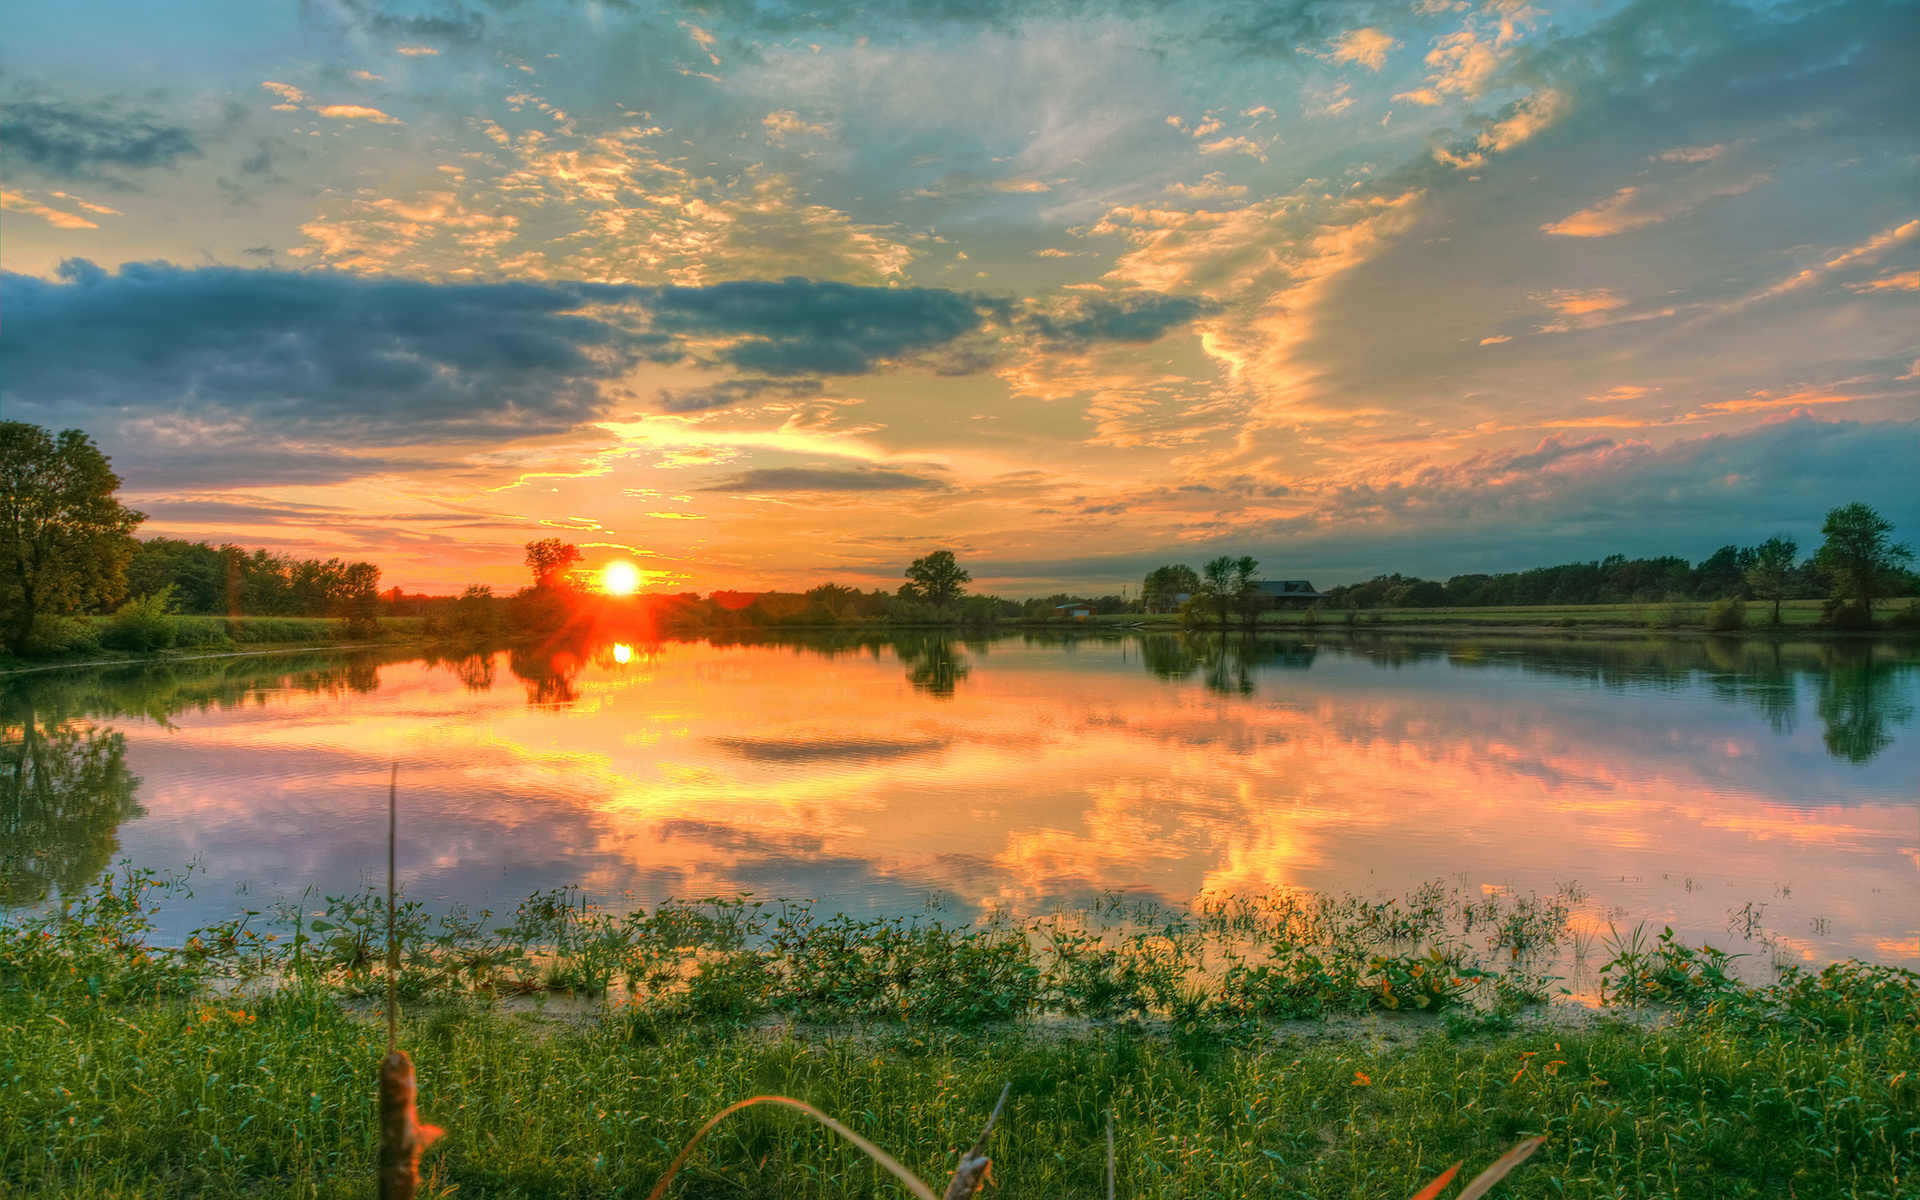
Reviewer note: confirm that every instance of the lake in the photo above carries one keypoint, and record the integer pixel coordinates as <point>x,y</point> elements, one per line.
<point>1694,783</point>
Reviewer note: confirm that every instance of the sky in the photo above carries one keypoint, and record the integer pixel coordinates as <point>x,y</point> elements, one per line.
<point>763,294</point>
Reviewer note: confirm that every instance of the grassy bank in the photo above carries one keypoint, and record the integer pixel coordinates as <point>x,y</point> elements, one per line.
<point>84,642</point>
<point>239,1065</point>
<point>1797,617</point>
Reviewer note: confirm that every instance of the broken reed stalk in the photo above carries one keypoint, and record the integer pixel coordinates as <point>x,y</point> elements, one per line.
<point>973,1170</point>
<point>1485,1179</point>
<point>402,1137</point>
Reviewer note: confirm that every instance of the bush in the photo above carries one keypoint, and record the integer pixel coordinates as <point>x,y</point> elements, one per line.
<point>1727,615</point>
<point>144,623</point>
<point>61,635</point>
<point>1849,618</point>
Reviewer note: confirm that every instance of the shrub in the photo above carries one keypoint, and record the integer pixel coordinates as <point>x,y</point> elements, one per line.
<point>1849,618</point>
<point>144,623</point>
<point>61,635</point>
<point>1727,615</point>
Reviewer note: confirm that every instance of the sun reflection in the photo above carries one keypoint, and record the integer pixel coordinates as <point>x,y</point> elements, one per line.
<point>622,652</point>
<point>620,579</point>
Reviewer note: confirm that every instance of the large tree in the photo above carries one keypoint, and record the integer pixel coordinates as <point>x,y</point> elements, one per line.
<point>550,559</point>
<point>938,577</point>
<point>64,538</point>
<point>1162,584</point>
<point>1221,576</point>
<point>1858,558</point>
<point>1772,570</point>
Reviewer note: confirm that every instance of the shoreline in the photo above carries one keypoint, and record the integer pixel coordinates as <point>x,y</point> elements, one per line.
<point>1104,629</point>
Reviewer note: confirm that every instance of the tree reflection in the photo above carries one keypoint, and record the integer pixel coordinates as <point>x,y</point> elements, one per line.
<point>548,674</point>
<point>934,664</point>
<point>1859,697</point>
<point>64,790</point>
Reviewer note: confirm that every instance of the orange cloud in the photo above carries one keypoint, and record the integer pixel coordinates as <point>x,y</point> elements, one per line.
<point>1365,47</point>
<point>21,203</point>
<point>356,112</point>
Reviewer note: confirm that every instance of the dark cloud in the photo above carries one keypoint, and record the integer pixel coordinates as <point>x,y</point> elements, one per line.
<point>799,326</point>
<point>389,359</point>
<point>820,479</point>
<point>451,23</point>
<point>733,391</point>
<point>299,361</point>
<point>1265,27</point>
<point>1130,317</point>
<point>71,143</point>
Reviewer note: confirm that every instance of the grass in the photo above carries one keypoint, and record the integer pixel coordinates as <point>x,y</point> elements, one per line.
<point>1796,616</point>
<point>242,1067</point>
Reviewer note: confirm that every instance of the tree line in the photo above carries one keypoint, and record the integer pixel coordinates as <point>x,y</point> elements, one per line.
<point>67,551</point>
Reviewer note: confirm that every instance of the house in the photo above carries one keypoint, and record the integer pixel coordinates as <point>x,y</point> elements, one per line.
<point>1279,592</point>
<point>1078,612</point>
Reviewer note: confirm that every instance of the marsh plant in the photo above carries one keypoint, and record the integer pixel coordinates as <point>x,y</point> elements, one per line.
<point>1218,961</point>
<point>240,1063</point>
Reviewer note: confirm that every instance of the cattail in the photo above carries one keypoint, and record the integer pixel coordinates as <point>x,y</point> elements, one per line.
<point>402,1137</point>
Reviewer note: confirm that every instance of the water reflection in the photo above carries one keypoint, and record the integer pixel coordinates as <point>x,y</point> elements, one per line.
<point>1677,779</point>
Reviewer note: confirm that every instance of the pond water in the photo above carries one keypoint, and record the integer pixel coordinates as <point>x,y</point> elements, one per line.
<point>1697,784</point>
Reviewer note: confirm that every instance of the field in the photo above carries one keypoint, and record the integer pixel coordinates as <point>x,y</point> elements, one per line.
<point>572,1053</point>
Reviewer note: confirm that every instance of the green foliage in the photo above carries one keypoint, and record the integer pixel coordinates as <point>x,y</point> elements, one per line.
<point>1725,616</point>
<point>1665,971</point>
<point>1860,559</point>
<point>1809,1092</point>
<point>144,623</point>
<point>64,537</point>
<point>938,579</point>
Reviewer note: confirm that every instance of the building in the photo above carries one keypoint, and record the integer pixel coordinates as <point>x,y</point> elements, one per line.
<point>1281,592</point>
<point>1078,612</point>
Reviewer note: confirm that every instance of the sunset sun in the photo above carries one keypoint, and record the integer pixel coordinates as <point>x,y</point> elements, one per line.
<point>620,579</point>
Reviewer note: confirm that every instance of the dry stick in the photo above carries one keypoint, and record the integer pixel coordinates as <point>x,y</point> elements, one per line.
<point>402,1136</point>
<point>974,1164</point>
<point>874,1152</point>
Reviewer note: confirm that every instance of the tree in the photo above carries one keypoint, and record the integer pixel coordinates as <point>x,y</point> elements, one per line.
<point>1162,584</point>
<point>65,540</point>
<point>1772,571</point>
<point>550,559</point>
<point>1857,558</point>
<point>938,578</point>
<point>1246,588</point>
<point>1219,575</point>
<point>356,597</point>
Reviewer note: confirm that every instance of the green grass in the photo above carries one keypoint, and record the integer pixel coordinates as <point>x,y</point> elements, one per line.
<point>245,1068</point>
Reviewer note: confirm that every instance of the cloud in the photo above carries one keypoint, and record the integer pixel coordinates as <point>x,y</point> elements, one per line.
<point>20,202</point>
<point>1904,281</point>
<point>729,392</point>
<point>71,143</point>
<point>1138,317</point>
<point>820,479</point>
<point>355,112</point>
<point>783,124</point>
<point>797,326</point>
<point>388,359</point>
<point>453,24</point>
<point>1366,47</point>
<point>1642,205</point>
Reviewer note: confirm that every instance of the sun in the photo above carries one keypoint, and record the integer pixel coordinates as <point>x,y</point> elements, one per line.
<point>620,579</point>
